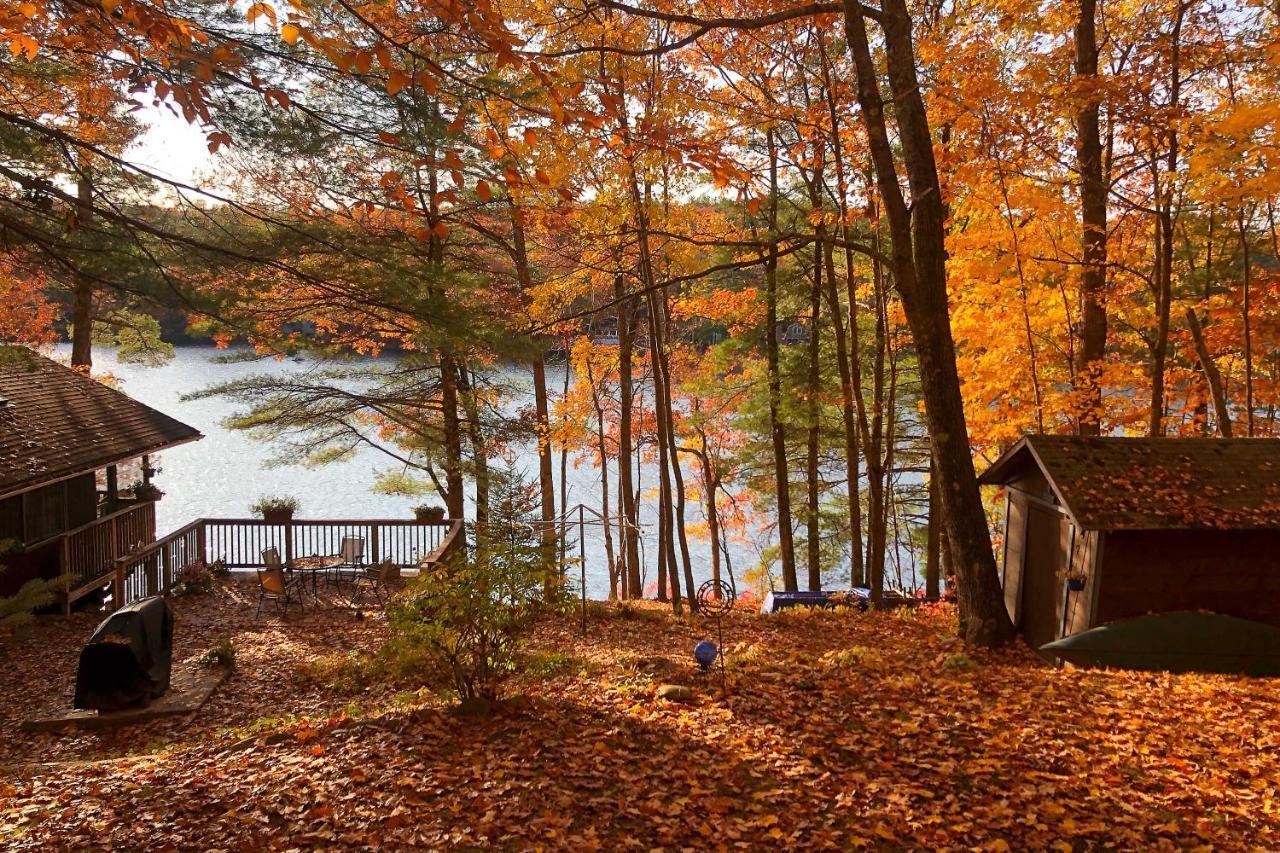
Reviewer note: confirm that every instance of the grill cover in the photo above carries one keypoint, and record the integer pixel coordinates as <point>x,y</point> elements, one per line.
<point>126,662</point>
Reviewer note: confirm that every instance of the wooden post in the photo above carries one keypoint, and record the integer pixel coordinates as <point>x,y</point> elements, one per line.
<point>64,571</point>
<point>113,541</point>
<point>117,590</point>
<point>288,542</point>
<point>374,556</point>
<point>113,489</point>
<point>201,543</point>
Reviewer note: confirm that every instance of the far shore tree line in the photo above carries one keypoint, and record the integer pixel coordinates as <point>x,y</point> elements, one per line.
<point>813,264</point>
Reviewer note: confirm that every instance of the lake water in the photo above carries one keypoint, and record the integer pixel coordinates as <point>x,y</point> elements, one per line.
<point>221,475</point>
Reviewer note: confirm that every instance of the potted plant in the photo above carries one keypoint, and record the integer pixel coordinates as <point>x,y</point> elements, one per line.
<point>147,492</point>
<point>276,509</point>
<point>429,512</point>
<point>1076,581</point>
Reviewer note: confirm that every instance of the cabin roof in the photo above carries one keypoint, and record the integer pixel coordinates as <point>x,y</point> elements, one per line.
<point>56,422</point>
<point>1113,483</point>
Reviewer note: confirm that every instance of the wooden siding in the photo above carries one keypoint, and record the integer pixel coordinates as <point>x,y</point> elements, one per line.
<point>1077,605</point>
<point>1014,552</point>
<point>1236,572</point>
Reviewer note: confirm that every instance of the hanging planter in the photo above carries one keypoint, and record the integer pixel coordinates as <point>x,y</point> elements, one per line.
<point>1075,583</point>
<point>147,492</point>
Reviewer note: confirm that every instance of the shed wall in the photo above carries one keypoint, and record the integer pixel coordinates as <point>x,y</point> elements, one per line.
<point>1236,572</point>
<point>1078,603</point>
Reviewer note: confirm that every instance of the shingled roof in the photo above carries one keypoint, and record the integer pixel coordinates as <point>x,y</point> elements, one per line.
<point>1154,483</point>
<point>56,423</point>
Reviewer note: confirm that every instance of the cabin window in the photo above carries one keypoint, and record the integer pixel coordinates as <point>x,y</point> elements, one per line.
<point>45,512</point>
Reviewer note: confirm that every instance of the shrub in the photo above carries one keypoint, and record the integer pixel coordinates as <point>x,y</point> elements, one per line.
<point>547,664</point>
<point>196,579</point>
<point>471,618</point>
<point>341,672</point>
<point>853,657</point>
<point>223,653</point>
<point>959,662</point>
<point>18,608</point>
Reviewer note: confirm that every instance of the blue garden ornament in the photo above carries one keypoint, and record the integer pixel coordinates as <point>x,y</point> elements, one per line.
<point>715,601</point>
<point>705,653</point>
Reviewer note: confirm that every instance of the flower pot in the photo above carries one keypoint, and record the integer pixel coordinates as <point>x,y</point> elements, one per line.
<point>433,514</point>
<point>277,516</point>
<point>1075,584</point>
<point>147,493</point>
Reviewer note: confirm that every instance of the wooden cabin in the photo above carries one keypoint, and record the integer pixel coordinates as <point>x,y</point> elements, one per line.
<point>1101,529</point>
<point>64,440</point>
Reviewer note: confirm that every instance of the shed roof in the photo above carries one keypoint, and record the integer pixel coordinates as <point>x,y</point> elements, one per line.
<point>56,422</point>
<point>1112,483</point>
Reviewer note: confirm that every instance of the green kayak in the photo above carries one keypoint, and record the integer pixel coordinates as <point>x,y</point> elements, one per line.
<point>1176,642</point>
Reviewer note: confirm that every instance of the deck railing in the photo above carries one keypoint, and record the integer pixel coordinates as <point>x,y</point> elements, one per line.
<point>89,552</point>
<point>239,542</point>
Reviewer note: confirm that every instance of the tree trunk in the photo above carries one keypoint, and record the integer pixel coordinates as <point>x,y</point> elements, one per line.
<point>919,257</point>
<point>1212,376</point>
<point>630,539</point>
<point>479,449</point>
<point>813,519</point>
<point>1246,305</point>
<point>933,547</point>
<point>782,480</point>
<point>677,473</point>
<point>874,444</point>
<point>564,467</point>
<point>82,306</point>
<point>602,450</point>
<point>1093,221</point>
<point>454,498</point>
<point>846,364</point>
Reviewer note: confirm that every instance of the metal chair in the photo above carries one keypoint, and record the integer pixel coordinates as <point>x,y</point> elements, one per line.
<point>275,585</point>
<point>351,554</point>
<point>375,578</point>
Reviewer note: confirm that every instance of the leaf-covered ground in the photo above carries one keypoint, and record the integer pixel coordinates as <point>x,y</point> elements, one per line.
<point>841,730</point>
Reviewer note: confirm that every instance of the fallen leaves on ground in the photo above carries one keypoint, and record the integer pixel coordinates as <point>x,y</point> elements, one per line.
<point>841,730</point>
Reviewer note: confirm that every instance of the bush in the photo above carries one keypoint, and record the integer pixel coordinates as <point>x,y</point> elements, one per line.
<point>853,657</point>
<point>17,609</point>
<point>196,579</point>
<point>223,653</point>
<point>959,662</point>
<point>471,618</point>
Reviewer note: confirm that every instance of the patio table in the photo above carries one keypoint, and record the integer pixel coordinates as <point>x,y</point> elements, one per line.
<point>316,565</point>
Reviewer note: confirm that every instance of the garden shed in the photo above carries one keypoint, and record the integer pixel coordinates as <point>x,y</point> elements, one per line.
<point>1101,529</point>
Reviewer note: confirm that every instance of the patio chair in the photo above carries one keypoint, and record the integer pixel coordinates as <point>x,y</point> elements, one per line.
<point>274,584</point>
<point>351,555</point>
<point>375,579</point>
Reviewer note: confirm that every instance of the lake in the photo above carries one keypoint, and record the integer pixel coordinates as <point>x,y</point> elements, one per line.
<point>223,474</point>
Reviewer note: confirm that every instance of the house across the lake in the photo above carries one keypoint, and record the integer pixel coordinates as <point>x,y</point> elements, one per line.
<point>1101,529</point>
<point>65,442</point>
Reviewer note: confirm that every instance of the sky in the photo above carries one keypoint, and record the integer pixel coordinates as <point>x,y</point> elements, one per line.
<point>170,146</point>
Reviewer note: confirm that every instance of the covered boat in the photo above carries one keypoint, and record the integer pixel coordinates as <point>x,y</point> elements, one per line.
<point>1182,641</point>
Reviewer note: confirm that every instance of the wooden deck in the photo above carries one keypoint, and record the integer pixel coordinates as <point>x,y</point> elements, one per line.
<point>155,567</point>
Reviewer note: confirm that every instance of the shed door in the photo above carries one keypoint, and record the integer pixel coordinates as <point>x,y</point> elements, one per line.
<point>1015,544</point>
<point>1041,584</point>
